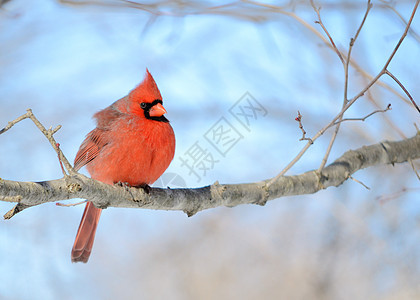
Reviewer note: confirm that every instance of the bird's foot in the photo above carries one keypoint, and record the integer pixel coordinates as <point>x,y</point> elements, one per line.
<point>122,184</point>
<point>145,187</point>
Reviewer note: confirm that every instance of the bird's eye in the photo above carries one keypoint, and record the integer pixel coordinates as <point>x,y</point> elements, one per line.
<point>143,105</point>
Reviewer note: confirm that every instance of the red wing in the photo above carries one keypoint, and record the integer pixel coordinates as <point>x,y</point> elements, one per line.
<point>96,139</point>
<point>90,148</point>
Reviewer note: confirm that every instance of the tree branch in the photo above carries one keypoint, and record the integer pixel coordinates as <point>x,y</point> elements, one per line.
<point>351,101</point>
<point>317,10</point>
<point>47,133</point>
<point>365,117</point>
<point>191,201</point>
<point>299,119</point>
<point>346,83</point>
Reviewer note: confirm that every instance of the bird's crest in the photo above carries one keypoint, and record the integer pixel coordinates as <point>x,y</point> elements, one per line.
<point>146,91</point>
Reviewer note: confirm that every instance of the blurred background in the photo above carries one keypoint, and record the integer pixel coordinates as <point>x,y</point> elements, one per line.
<point>68,59</point>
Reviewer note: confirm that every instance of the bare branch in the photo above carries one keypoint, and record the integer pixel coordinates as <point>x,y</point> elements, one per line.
<point>299,119</point>
<point>14,122</point>
<point>365,117</point>
<point>354,99</point>
<point>414,169</point>
<point>385,117</point>
<point>16,209</point>
<point>385,198</point>
<point>403,88</point>
<point>403,36</point>
<point>193,200</point>
<point>71,204</point>
<point>338,122</point>
<point>317,10</point>
<point>47,133</point>
<point>387,5</point>
<point>346,85</point>
<point>358,181</point>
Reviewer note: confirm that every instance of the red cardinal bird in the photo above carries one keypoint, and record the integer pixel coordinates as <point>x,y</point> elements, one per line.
<point>132,143</point>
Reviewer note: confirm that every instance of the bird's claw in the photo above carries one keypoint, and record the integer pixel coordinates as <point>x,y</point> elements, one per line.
<point>145,187</point>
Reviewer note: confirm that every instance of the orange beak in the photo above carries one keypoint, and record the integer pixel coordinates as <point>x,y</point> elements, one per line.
<point>157,110</point>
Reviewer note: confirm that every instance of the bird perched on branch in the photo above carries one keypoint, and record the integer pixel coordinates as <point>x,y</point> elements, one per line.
<point>132,144</point>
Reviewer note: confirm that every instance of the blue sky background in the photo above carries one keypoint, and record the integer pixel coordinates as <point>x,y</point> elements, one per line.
<point>67,61</point>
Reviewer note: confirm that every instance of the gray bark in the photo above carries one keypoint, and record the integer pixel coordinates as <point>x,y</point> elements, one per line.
<point>193,200</point>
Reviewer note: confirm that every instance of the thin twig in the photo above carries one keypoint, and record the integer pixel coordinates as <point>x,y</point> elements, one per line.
<point>16,209</point>
<point>411,30</point>
<point>358,181</point>
<point>414,168</point>
<point>59,160</point>
<point>388,120</point>
<point>299,119</point>
<point>15,121</point>
<point>47,133</point>
<point>317,10</point>
<point>403,88</point>
<point>385,198</point>
<point>352,42</point>
<point>402,37</point>
<point>365,117</point>
<point>346,85</point>
<point>70,204</point>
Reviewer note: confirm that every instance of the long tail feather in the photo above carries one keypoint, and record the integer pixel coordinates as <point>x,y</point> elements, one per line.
<point>86,234</point>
